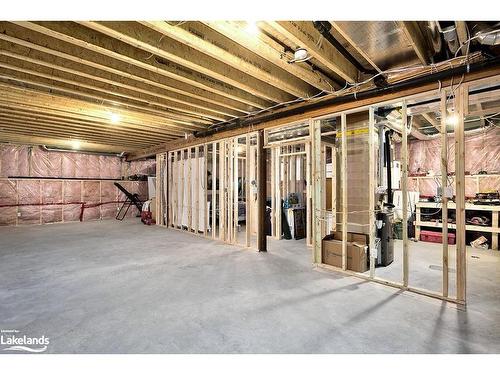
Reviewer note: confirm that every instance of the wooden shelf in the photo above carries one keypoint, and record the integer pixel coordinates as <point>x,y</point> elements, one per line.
<point>475,228</point>
<point>452,205</point>
<point>493,229</point>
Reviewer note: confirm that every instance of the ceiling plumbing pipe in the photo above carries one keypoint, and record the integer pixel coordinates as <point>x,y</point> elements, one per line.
<point>411,83</point>
<point>324,28</point>
<point>56,149</point>
<point>487,35</point>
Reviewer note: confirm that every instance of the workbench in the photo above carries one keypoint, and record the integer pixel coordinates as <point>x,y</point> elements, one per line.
<point>493,229</point>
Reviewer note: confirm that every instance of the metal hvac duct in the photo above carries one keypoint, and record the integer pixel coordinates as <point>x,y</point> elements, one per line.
<point>489,36</point>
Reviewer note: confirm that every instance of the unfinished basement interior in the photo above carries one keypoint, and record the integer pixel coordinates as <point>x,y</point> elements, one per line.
<point>250,186</point>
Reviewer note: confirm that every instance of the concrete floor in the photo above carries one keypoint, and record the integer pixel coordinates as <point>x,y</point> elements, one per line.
<point>122,287</point>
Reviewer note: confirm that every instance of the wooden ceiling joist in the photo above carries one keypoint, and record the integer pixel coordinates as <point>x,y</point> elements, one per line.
<point>303,34</point>
<point>88,61</point>
<point>70,124</point>
<point>354,45</point>
<point>431,120</point>
<point>40,73</point>
<point>23,107</point>
<point>68,106</point>
<point>200,37</point>
<point>17,95</point>
<point>29,128</point>
<point>272,51</point>
<point>73,91</point>
<point>14,137</point>
<point>82,37</point>
<point>118,81</point>
<point>416,38</point>
<point>153,42</point>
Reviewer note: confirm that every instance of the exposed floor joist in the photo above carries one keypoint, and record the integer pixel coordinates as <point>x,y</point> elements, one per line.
<point>108,47</point>
<point>213,44</point>
<point>303,34</point>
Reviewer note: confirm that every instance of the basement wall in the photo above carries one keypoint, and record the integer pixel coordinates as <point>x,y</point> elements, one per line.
<point>482,153</point>
<point>41,187</point>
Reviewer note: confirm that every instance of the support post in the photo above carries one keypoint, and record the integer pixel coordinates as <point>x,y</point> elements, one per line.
<point>205,184</point>
<point>196,190</point>
<point>444,184</point>
<point>343,179</point>
<point>371,188</point>
<point>404,188</point>
<point>317,196</point>
<point>214,186</point>
<point>308,193</point>
<point>460,104</point>
<point>261,188</point>
<point>248,209</point>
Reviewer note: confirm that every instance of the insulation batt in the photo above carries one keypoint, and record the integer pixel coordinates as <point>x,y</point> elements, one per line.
<point>59,200</point>
<point>482,153</point>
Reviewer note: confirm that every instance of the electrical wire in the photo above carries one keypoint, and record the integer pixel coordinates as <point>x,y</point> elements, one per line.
<point>348,87</point>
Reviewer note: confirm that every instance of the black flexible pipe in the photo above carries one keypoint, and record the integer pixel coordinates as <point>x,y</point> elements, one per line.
<point>463,69</point>
<point>388,165</point>
<point>324,29</point>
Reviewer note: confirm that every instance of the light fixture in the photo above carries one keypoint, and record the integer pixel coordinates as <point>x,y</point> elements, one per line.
<point>252,28</point>
<point>452,120</point>
<point>115,118</point>
<point>75,144</point>
<point>300,55</point>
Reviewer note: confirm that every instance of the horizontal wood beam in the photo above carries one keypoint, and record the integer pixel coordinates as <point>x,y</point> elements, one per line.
<point>200,37</point>
<point>172,50</point>
<point>80,36</point>
<point>303,34</point>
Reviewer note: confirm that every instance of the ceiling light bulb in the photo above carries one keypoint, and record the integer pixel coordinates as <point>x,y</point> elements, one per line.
<point>300,54</point>
<point>75,144</point>
<point>115,118</point>
<point>452,120</point>
<point>252,28</point>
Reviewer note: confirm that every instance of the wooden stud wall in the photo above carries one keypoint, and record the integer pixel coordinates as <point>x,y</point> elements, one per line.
<point>189,207</point>
<point>318,203</point>
<point>225,164</point>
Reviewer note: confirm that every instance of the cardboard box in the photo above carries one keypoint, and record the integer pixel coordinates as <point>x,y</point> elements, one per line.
<point>357,258</point>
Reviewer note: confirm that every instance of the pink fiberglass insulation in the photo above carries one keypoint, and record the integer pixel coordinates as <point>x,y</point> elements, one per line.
<point>14,160</point>
<point>52,193</point>
<point>482,153</point>
<point>144,167</point>
<point>109,167</point>
<point>29,192</point>
<point>93,167</point>
<point>72,193</point>
<point>8,195</point>
<point>91,195</point>
<point>109,193</point>
<point>490,183</point>
<point>68,165</point>
<point>45,164</point>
